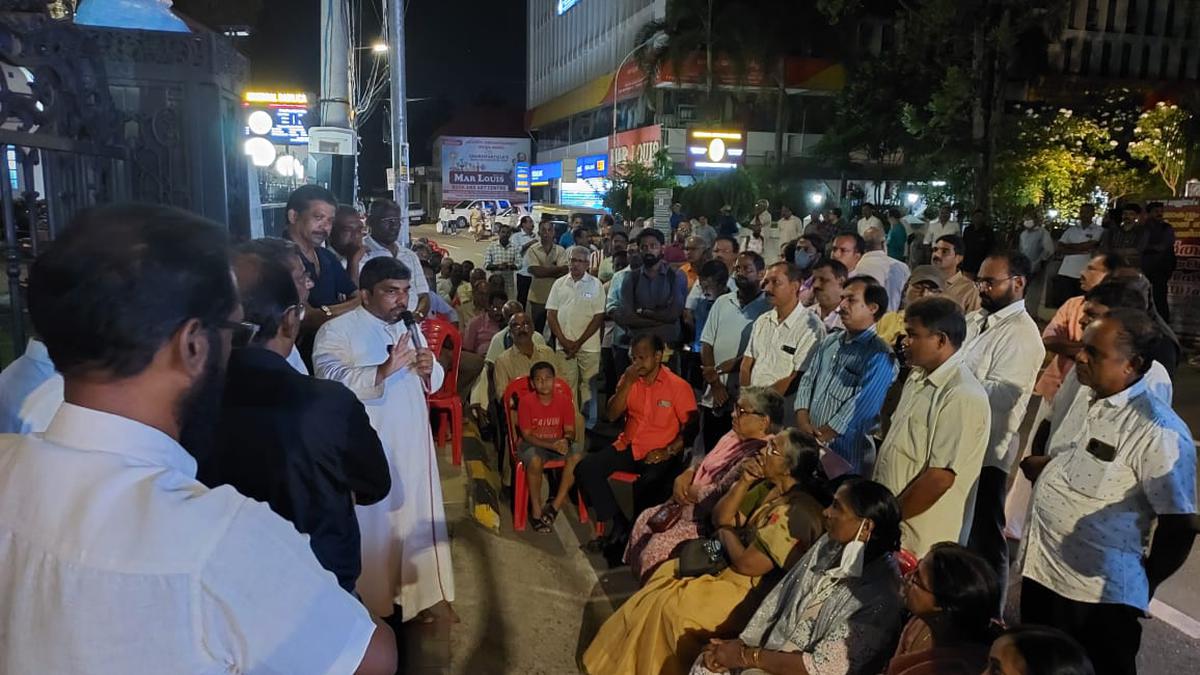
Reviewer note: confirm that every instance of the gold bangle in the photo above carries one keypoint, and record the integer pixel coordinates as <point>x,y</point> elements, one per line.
<point>745,660</point>
<point>755,656</point>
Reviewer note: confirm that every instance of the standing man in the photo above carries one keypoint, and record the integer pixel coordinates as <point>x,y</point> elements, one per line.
<point>1127,239</point>
<point>1076,245</point>
<point>828,279</point>
<point>523,239</point>
<point>848,249</point>
<point>310,211</point>
<point>1004,350</point>
<point>575,312</point>
<point>1035,241</point>
<point>406,550</point>
<point>346,239</point>
<point>724,339</point>
<point>618,242</point>
<point>947,257</point>
<point>790,227</point>
<point>781,341</point>
<point>547,261</point>
<point>751,238</point>
<point>1158,257</point>
<point>842,391</point>
<point>727,225</point>
<point>138,308</point>
<point>941,226</point>
<point>303,446</point>
<point>697,251</point>
<point>504,257</point>
<point>701,228</point>
<point>825,225</point>
<point>897,236</point>
<point>677,216</point>
<point>868,220</point>
<point>660,421</point>
<point>1120,466</point>
<point>875,263</point>
<point>384,223</point>
<point>934,448</point>
<point>978,242</point>
<point>652,299</point>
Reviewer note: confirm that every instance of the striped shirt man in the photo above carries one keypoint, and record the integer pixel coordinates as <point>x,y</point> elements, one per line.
<point>844,388</point>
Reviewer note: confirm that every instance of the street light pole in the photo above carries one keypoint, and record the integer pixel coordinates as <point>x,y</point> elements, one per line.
<point>399,115</point>
<point>657,40</point>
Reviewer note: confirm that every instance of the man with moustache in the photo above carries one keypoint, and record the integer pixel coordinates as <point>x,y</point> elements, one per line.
<point>102,515</point>
<point>310,211</point>
<point>842,391</point>
<point>504,257</point>
<point>652,299</point>
<point>783,338</point>
<point>947,257</point>
<point>346,239</point>
<point>828,279</point>
<point>406,551</point>
<point>724,339</point>
<point>1004,350</point>
<point>384,223</point>
<point>546,262</point>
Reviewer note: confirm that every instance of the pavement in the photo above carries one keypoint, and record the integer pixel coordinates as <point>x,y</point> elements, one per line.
<point>531,603</point>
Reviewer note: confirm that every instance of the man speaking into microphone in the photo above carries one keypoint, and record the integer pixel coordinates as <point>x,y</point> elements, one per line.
<point>405,549</point>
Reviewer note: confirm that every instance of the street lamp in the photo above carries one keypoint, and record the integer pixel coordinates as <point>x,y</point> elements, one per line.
<point>379,48</point>
<point>656,41</point>
<point>1053,213</point>
<point>816,198</point>
<point>911,198</point>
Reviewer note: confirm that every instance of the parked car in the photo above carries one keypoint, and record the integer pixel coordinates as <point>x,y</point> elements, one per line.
<point>458,213</point>
<point>416,214</point>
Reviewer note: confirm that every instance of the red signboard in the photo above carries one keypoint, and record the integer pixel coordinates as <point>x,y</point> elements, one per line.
<point>1184,216</point>
<point>636,145</point>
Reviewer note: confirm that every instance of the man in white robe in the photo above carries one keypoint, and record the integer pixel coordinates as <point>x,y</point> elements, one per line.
<point>405,548</point>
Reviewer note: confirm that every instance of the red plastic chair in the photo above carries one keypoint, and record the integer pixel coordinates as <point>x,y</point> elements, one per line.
<point>521,494</point>
<point>907,561</point>
<point>445,402</point>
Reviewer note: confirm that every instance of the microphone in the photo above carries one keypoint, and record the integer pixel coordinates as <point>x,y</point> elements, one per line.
<point>410,323</point>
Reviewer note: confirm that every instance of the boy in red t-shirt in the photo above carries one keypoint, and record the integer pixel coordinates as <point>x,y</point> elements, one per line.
<point>546,422</point>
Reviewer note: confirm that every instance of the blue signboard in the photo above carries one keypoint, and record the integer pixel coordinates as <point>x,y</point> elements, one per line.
<point>592,166</point>
<point>542,174</point>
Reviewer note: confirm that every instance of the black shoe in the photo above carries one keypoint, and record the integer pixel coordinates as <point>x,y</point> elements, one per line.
<point>595,544</point>
<point>614,552</point>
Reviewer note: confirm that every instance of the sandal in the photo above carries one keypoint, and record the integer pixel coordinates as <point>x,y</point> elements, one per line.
<point>549,513</point>
<point>540,525</point>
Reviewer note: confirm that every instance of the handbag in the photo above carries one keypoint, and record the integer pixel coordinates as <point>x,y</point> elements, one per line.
<point>699,557</point>
<point>665,517</point>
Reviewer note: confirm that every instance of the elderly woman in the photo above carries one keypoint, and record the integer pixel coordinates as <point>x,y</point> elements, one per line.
<point>838,609</point>
<point>661,530</point>
<point>769,517</point>
<point>953,596</point>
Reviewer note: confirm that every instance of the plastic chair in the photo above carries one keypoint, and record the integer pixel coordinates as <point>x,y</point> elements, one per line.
<point>445,402</point>
<point>521,494</point>
<point>906,561</point>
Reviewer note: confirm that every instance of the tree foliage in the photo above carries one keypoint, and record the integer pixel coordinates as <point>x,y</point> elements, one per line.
<point>1160,139</point>
<point>640,180</point>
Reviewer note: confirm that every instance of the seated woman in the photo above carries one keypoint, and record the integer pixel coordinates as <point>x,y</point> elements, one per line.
<point>770,516</point>
<point>838,609</point>
<point>953,595</point>
<point>1037,650</point>
<point>758,414</point>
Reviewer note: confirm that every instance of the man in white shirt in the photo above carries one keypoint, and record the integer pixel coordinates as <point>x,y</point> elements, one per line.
<point>1035,241</point>
<point>848,249</point>
<point>875,263</point>
<point>19,380</point>
<point>523,238</point>
<point>934,449</point>
<point>790,227</point>
<point>103,517</point>
<point>868,220</point>
<point>941,226</point>
<point>1077,245</point>
<point>783,338</point>
<point>575,313</point>
<point>1004,350</point>
<point>384,225</point>
<point>1120,466</point>
<point>723,340</point>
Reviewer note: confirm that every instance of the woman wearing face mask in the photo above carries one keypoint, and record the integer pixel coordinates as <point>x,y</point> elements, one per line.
<point>952,595</point>
<point>804,253</point>
<point>1037,650</point>
<point>838,609</point>
<point>766,520</point>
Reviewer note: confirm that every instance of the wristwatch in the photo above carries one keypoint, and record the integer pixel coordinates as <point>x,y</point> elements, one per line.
<point>328,312</point>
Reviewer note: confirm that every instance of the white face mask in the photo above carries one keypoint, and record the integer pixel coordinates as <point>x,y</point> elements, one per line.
<point>1029,223</point>
<point>853,556</point>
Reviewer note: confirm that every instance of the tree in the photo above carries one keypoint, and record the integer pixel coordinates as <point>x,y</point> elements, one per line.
<point>1160,139</point>
<point>640,181</point>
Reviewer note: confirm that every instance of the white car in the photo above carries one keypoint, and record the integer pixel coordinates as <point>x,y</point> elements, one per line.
<point>416,214</point>
<point>459,213</point>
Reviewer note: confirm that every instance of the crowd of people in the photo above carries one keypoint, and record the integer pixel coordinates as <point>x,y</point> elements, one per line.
<point>820,420</point>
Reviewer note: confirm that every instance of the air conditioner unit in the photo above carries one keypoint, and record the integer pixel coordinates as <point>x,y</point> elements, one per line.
<point>331,141</point>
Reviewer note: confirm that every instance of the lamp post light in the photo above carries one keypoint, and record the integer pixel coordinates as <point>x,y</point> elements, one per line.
<point>816,198</point>
<point>657,41</point>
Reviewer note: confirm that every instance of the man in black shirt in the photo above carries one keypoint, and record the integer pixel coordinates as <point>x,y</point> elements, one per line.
<point>303,446</point>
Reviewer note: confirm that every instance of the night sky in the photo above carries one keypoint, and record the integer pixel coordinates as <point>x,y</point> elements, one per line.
<point>459,52</point>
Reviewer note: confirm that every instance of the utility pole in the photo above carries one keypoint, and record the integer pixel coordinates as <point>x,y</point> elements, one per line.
<point>334,104</point>
<point>400,167</point>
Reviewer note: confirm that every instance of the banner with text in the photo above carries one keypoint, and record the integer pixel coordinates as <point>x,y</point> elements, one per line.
<point>636,145</point>
<point>478,168</point>
<point>1184,289</point>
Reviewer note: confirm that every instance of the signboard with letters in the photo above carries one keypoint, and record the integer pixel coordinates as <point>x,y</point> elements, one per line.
<point>591,166</point>
<point>1184,288</point>
<point>476,167</point>
<point>636,145</point>
<point>542,174</point>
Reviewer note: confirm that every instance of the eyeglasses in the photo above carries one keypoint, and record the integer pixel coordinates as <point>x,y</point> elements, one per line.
<point>738,411</point>
<point>243,331</point>
<point>580,260</point>
<point>987,284</point>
